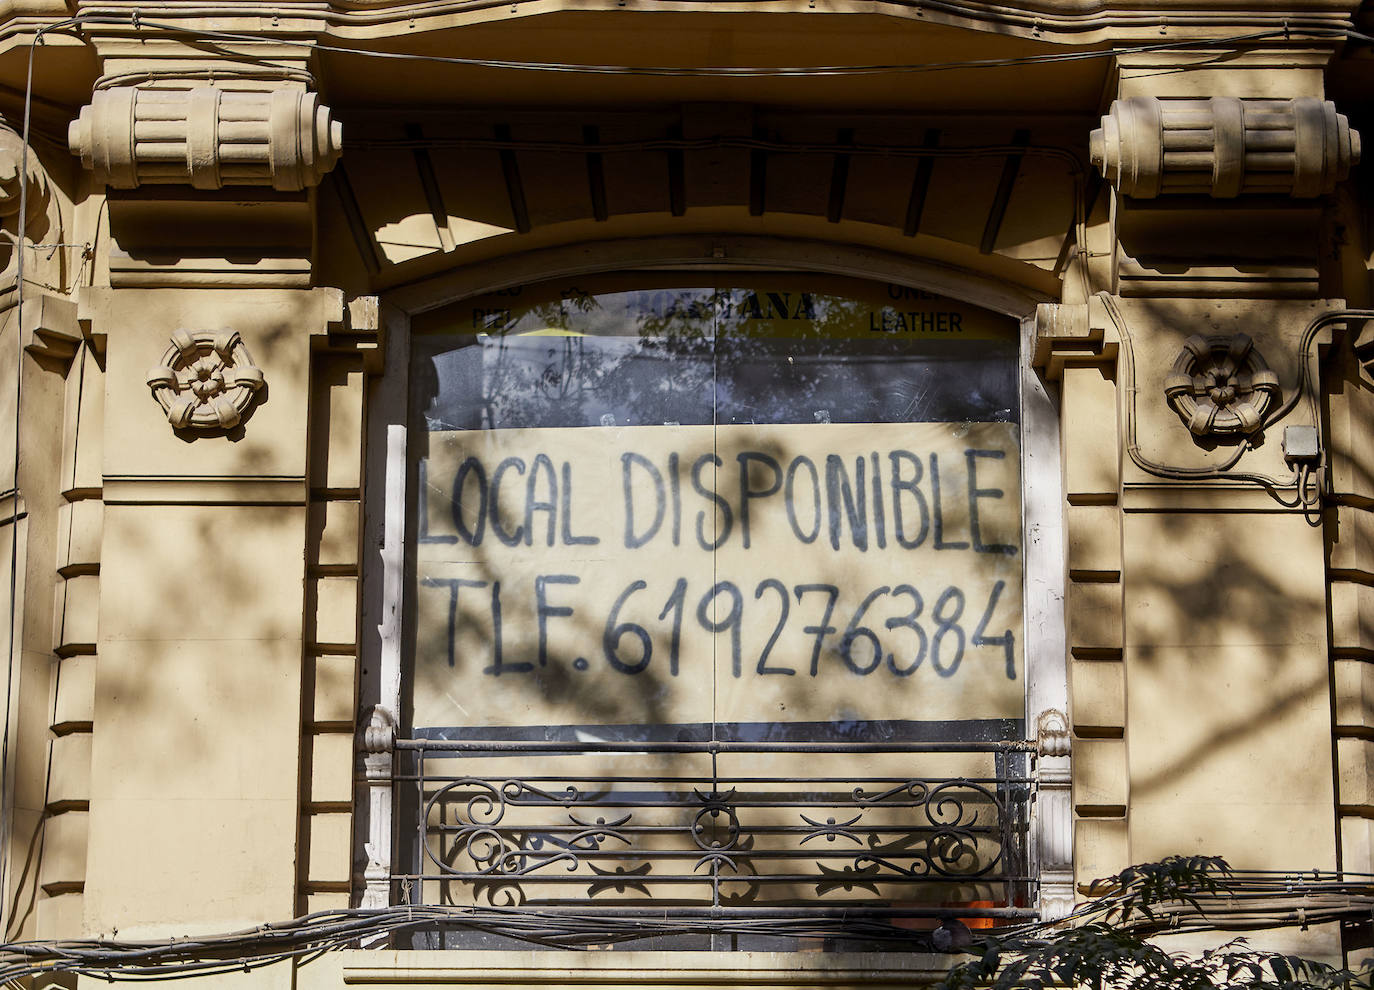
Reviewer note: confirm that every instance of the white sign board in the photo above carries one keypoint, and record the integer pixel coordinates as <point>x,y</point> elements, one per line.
<point>733,573</point>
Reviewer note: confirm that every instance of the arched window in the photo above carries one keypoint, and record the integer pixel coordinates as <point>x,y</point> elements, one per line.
<point>714,614</point>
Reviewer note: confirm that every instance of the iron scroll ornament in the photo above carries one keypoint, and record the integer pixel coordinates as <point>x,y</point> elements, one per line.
<point>206,380</point>
<point>1221,386</point>
<point>490,832</point>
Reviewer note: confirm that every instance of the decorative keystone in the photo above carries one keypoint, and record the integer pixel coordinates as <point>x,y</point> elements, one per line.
<point>206,381</point>
<point>1224,147</point>
<point>206,137</point>
<point>1221,386</point>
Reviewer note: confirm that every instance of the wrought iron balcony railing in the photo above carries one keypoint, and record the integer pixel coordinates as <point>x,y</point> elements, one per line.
<point>838,840</point>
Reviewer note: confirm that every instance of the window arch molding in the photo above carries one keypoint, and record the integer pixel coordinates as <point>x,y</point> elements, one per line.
<point>386,497</point>
<point>1005,287</point>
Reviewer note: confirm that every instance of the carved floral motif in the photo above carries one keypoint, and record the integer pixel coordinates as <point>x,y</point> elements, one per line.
<point>206,381</point>
<point>1221,386</point>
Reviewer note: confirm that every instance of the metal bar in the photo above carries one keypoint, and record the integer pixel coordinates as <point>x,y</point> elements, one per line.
<point>801,852</point>
<point>846,782</point>
<point>797,782</point>
<point>796,788</point>
<point>1007,807</point>
<point>760,882</point>
<point>680,805</point>
<point>715,746</point>
<point>754,830</point>
<point>417,895</point>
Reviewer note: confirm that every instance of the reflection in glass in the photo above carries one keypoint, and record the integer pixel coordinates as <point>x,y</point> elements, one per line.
<point>695,356</point>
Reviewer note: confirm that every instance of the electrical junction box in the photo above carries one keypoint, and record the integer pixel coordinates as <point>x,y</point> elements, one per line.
<point>1301,444</point>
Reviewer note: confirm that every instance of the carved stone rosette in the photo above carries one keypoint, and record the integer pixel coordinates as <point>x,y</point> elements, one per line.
<point>207,137</point>
<point>1224,147</point>
<point>206,381</point>
<point>1221,386</point>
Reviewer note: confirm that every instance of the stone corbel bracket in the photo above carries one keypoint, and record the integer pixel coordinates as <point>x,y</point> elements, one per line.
<point>1071,335</point>
<point>357,329</point>
<point>50,327</point>
<point>206,137</point>
<point>1224,147</point>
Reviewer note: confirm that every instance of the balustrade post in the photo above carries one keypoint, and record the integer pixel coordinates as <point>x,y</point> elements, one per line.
<point>1052,816</point>
<point>379,761</point>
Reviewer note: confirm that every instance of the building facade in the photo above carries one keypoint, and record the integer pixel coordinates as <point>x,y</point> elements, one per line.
<point>734,487</point>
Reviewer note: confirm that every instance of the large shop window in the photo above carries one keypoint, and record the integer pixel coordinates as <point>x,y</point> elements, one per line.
<point>715,634</point>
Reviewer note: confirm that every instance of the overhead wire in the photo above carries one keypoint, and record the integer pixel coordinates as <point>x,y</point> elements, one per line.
<point>1239,901</point>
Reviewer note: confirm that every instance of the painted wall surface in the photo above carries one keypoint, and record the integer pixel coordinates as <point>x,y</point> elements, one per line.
<point>231,589</point>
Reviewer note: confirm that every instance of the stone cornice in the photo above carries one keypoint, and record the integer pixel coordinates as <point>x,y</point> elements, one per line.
<point>1061,21</point>
<point>1057,21</point>
<point>1082,21</point>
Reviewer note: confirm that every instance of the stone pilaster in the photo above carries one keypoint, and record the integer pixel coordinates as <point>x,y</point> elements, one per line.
<point>1197,591</point>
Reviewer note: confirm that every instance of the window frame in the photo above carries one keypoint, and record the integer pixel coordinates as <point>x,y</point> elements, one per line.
<point>384,605</point>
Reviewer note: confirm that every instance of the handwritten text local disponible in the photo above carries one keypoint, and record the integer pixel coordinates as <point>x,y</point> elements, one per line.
<point>855,502</point>
<point>893,501</point>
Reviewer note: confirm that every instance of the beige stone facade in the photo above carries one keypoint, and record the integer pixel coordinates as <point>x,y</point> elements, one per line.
<point>233,225</point>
